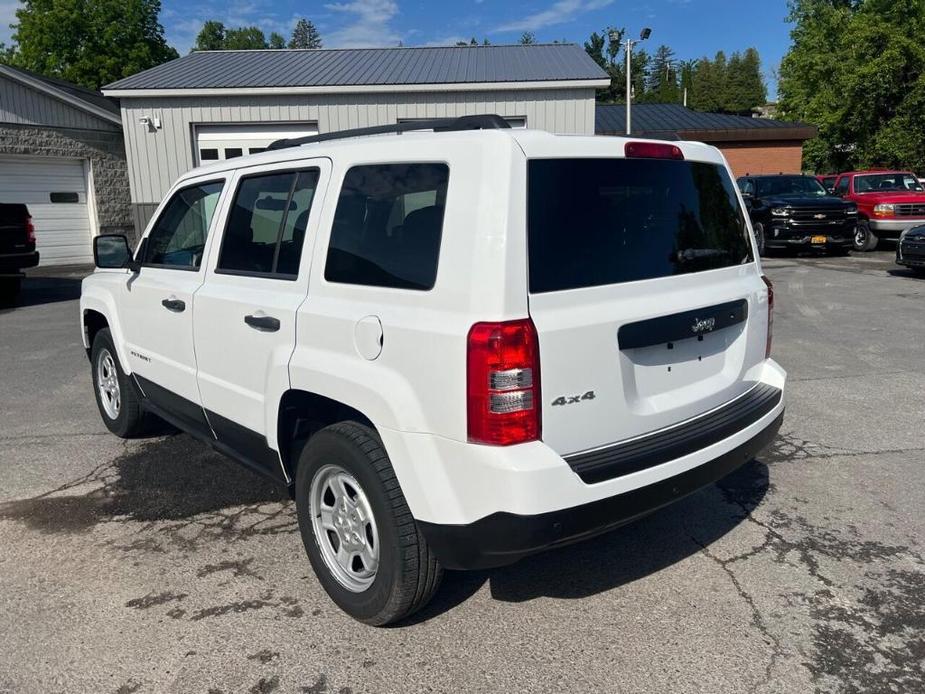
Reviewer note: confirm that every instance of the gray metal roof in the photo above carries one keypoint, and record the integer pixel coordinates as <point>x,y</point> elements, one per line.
<point>666,120</point>
<point>83,94</point>
<point>368,66</point>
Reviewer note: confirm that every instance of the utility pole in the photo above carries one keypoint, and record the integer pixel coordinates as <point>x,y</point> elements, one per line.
<point>628,47</point>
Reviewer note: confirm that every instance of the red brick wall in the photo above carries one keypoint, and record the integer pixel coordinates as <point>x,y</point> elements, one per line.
<point>784,156</point>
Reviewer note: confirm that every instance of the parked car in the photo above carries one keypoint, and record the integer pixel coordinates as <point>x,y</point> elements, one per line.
<point>794,211</point>
<point>910,251</point>
<point>889,202</point>
<point>456,348</point>
<point>828,182</point>
<point>17,248</point>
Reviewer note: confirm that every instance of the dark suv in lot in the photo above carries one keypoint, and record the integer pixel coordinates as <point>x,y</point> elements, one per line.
<point>794,211</point>
<point>17,248</point>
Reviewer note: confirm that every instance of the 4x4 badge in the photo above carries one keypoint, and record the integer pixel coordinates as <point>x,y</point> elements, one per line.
<point>703,325</point>
<point>573,399</point>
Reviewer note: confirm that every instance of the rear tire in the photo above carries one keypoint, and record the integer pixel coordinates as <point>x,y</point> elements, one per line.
<point>864,238</point>
<point>117,397</point>
<point>387,571</point>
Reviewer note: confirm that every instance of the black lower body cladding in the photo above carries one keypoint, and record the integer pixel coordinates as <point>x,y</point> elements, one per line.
<point>504,538</point>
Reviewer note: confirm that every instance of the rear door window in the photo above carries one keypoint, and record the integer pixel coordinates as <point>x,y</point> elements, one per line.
<point>267,224</point>
<point>595,222</point>
<point>387,226</point>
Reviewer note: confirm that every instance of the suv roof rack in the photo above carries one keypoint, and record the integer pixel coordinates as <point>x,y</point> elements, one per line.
<point>488,121</point>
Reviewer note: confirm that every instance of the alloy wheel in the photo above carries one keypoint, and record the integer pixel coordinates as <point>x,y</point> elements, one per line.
<point>344,527</point>
<point>107,383</point>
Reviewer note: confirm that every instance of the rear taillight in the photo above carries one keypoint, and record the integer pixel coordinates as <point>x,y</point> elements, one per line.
<point>503,383</point>
<point>30,230</point>
<point>652,150</point>
<point>767,348</point>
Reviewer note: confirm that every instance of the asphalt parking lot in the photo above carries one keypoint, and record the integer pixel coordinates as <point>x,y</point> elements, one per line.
<point>157,566</point>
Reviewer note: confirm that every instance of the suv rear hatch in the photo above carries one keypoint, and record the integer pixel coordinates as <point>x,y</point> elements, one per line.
<point>648,304</point>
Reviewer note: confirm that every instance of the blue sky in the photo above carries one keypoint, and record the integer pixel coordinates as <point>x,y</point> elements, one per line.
<point>693,28</point>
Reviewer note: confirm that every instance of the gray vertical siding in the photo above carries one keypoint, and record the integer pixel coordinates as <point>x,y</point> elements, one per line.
<point>21,105</point>
<point>157,158</point>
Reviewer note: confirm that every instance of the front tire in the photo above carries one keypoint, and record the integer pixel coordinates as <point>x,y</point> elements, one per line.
<point>116,396</point>
<point>864,238</point>
<point>358,532</point>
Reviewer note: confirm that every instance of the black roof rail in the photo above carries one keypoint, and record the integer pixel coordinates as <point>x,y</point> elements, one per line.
<point>488,121</point>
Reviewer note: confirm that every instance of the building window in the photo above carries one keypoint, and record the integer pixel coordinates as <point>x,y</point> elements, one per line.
<point>208,154</point>
<point>233,152</point>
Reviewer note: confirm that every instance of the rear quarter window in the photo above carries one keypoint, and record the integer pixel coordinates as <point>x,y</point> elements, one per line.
<point>387,226</point>
<point>593,222</point>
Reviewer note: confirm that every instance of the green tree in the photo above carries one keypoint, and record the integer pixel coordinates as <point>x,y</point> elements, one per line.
<point>276,41</point>
<point>857,71</point>
<point>594,47</point>
<point>305,35</point>
<point>89,42</point>
<point>605,49</point>
<point>744,86</point>
<point>245,38</point>
<point>211,37</point>
<point>527,38</point>
<point>662,83</point>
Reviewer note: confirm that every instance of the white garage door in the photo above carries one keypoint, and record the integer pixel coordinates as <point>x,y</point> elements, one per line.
<point>55,191</point>
<point>218,142</point>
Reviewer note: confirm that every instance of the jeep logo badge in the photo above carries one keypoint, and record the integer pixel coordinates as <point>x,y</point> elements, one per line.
<point>703,325</point>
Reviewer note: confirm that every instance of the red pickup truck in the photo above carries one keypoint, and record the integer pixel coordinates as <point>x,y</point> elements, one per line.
<point>889,202</point>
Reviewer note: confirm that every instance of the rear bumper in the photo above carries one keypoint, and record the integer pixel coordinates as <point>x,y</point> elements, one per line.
<point>504,538</point>
<point>14,263</point>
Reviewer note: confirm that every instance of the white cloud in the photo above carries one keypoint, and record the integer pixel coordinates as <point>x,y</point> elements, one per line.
<point>557,13</point>
<point>368,24</point>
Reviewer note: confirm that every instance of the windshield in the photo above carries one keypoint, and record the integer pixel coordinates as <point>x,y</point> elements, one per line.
<point>789,186</point>
<point>874,183</point>
<point>592,222</point>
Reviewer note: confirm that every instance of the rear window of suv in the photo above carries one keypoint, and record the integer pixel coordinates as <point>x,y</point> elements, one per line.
<point>593,222</point>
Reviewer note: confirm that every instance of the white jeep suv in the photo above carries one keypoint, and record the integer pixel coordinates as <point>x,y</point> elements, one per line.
<point>456,348</point>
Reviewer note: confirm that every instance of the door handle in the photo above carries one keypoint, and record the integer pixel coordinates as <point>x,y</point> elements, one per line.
<point>266,324</point>
<point>175,305</point>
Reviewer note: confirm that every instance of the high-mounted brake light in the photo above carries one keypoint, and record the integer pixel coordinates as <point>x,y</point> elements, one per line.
<point>653,150</point>
<point>767,347</point>
<point>503,383</point>
<point>30,230</point>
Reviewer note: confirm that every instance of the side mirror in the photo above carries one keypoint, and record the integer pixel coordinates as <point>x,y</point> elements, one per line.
<point>111,251</point>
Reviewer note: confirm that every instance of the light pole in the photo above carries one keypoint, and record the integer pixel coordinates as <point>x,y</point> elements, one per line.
<point>643,35</point>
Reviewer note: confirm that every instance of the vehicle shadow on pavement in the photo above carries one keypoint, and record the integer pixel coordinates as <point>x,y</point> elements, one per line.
<point>174,482</point>
<point>906,274</point>
<point>44,290</point>
<point>619,557</point>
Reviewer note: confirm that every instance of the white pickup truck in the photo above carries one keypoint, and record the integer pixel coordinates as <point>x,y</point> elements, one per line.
<point>456,348</point>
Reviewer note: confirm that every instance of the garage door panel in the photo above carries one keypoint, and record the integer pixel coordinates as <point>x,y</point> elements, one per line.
<point>62,229</point>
